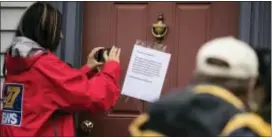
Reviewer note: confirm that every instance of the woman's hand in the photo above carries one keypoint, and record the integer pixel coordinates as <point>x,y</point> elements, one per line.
<point>114,54</point>
<point>91,62</point>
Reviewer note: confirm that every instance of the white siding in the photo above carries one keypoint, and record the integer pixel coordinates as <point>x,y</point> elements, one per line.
<point>16,4</point>
<point>2,60</point>
<point>6,38</point>
<point>11,13</point>
<point>10,18</point>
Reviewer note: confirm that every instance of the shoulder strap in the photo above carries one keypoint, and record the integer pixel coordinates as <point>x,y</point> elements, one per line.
<point>135,130</point>
<point>249,120</point>
<point>220,93</point>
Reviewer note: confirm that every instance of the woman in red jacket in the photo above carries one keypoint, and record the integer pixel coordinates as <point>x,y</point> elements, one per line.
<point>38,85</point>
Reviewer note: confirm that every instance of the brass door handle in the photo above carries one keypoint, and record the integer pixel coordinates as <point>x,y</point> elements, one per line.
<point>87,126</point>
<point>159,29</point>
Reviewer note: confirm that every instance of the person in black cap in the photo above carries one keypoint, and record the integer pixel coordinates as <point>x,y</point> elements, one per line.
<point>217,103</point>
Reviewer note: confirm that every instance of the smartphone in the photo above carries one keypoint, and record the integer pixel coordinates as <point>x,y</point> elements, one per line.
<point>99,55</point>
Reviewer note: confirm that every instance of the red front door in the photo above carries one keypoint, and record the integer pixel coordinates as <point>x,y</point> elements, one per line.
<point>121,23</point>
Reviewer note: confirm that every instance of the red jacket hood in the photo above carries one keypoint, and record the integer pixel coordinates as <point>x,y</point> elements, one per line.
<point>17,65</point>
<point>22,54</point>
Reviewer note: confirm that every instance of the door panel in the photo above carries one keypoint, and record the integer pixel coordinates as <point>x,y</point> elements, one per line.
<point>193,27</point>
<point>190,24</point>
<point>121,24</point>
<point>128,22</point>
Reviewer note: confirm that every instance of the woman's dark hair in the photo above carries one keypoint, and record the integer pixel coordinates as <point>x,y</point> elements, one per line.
<point>41,23</point>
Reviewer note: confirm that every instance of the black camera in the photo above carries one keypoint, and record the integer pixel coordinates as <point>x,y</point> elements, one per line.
<point>99,55</point>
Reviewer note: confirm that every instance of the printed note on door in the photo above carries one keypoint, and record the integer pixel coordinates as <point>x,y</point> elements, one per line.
<point>146,73</point>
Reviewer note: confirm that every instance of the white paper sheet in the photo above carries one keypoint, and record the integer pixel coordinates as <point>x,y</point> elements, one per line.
<point>146,73</point>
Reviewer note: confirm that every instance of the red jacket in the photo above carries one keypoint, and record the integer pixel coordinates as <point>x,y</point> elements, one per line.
<point>37,86</point>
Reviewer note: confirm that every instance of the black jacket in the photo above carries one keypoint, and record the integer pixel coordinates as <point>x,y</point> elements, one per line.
<point>202,110</point>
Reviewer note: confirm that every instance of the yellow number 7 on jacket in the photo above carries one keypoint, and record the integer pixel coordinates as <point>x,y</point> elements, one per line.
<point>12,93</point>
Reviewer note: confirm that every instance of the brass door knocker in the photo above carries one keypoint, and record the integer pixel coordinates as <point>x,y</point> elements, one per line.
<point>159,29</point>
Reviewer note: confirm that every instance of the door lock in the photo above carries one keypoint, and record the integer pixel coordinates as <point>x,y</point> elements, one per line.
<point>87,126</point>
